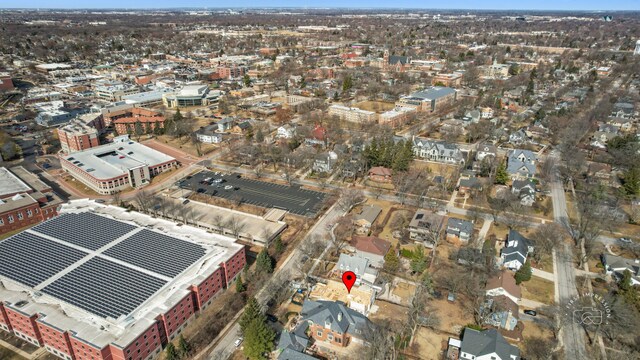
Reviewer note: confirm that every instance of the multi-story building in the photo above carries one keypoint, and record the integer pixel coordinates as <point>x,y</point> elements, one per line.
<point>81,133</point>
<point>116,92</point>
<point>333,322</point>
<point>192,95</point>
<point>24,199</point>
<point>231,72</point>
<point>396,117</point>
<point>430,99</point>
<point>149,121</point>
<point>353,114</point>
<point>113,167</point>
<point>437,151</point>
<point>55,292</point>
<point>450,80</point>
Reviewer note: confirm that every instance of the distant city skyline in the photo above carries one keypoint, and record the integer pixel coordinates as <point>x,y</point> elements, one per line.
<point>576,5</point>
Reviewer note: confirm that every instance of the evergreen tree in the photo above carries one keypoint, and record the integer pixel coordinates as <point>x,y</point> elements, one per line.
<point>172,353</point>
<point>184,346</point>
<point>138,129</point>
<point>347,83</point>
<point>264,263</point>
<point>258,338</point>
<point>502,176</point>
<point>246,80</point>
<point>419,261</point>
<point>632,181</point>
<point>391,262</point>
<point>240,288</point>
<point>427,282</point>
<point>251,312</point>
<point>177,117</point>
<point>524,273</point>
<point>625,282</point>
<point>278,245</point>
<point>259,136</point>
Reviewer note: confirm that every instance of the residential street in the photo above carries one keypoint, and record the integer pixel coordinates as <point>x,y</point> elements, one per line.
<point>572,333</point>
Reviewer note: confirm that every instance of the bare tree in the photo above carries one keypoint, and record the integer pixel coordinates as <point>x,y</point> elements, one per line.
<point>546,237</point>
<point>349,198</point>
<point>143,200</point>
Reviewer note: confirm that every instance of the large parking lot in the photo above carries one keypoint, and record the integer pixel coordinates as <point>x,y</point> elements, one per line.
<point>234,187</point>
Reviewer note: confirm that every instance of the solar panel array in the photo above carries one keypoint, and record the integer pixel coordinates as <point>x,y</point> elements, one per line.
<point>100,285</point>
<point>30,259</point>
<point>157,252</point>
<point>105,288</point>
<point>88,230</point>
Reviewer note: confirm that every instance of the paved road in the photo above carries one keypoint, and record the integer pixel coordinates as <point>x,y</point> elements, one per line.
<point>224,346</point>
<point>572,333</point>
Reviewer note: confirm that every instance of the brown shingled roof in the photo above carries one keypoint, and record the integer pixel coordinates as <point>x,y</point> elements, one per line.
<point>506,281</point>
<point>371,244</point>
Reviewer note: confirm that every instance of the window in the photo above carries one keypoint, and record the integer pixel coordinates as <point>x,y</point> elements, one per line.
<point>330,337</point>
<point>319,333</point>
<point>20,216</point>
<point>10,217</point>
<point>29,213</point>
<point>1,221</point>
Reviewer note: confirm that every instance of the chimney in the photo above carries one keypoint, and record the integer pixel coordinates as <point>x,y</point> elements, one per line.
<point>340,316</point>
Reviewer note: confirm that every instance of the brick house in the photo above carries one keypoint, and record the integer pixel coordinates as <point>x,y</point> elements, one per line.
<point>334,322</point>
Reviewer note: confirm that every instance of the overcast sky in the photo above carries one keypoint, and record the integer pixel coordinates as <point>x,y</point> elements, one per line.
<point>449,4</point>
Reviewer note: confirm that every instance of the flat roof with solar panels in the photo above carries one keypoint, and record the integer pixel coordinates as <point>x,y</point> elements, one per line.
<point>101,271</point>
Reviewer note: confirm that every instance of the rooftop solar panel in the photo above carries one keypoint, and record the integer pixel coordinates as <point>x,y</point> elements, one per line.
<point>105,288</point>
<point>157,252</point>
<point>30,259</point>
<point>88,230</point>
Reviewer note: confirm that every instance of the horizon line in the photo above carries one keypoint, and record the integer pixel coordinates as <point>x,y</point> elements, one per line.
<point>305,8</point>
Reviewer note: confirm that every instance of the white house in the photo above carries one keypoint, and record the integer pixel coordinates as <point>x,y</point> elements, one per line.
<point>208,135</point>
<point>515,253</point>
<point>286,132</point>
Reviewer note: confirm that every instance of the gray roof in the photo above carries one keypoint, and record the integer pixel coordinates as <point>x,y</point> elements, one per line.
<point>443,148</point>
<point>432,93</point>
<point>394,59</point>
<point>209,130</point>
<point>518,185</point>
<point>369,213</point>
<point>620,264</point>
<point>290,354</point>
<point>327,312</point>
<point>296,340</point>
<point>527,167</point>
<point>465,226</point>
<point>517,247</point>
<point>483,343</point>
<point>352,263</point>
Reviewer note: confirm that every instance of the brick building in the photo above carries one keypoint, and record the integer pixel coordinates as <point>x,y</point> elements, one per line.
<point>110,168</point>
<point>132,112</point>
<point>24,199</point>
<point>149,121</point>
<point>160,276</point>
<point>81,133</point>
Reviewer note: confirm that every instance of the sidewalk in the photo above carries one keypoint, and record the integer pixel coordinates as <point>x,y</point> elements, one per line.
<point>543,274</point>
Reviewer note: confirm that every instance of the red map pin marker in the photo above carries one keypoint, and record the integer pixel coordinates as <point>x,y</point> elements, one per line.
<point>349,278</point>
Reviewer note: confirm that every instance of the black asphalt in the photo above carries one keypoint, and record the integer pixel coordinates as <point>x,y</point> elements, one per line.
<point>292,198</point>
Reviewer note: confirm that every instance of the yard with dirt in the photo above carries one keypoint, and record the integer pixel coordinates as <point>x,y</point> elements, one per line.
<point>377,106</point>
<point>429,344</point>
<point>538,289</point>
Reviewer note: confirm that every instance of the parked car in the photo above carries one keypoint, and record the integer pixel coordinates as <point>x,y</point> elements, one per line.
<point>271,318</point>
<point>228,187</point>
<point>531,312</point>
<point>625,240</point>
<point>185,202</point>
<point>238,341</point>
<point>201,190</point>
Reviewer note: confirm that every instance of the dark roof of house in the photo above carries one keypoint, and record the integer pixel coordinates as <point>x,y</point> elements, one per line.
<point>470,183</point>
<point>296,340</point>
<point>520,184</point>
<point>290,354</point>
<point>464,225</point>
<point>394,59</point>
<point>482,343</point>
<point>328,312</point>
